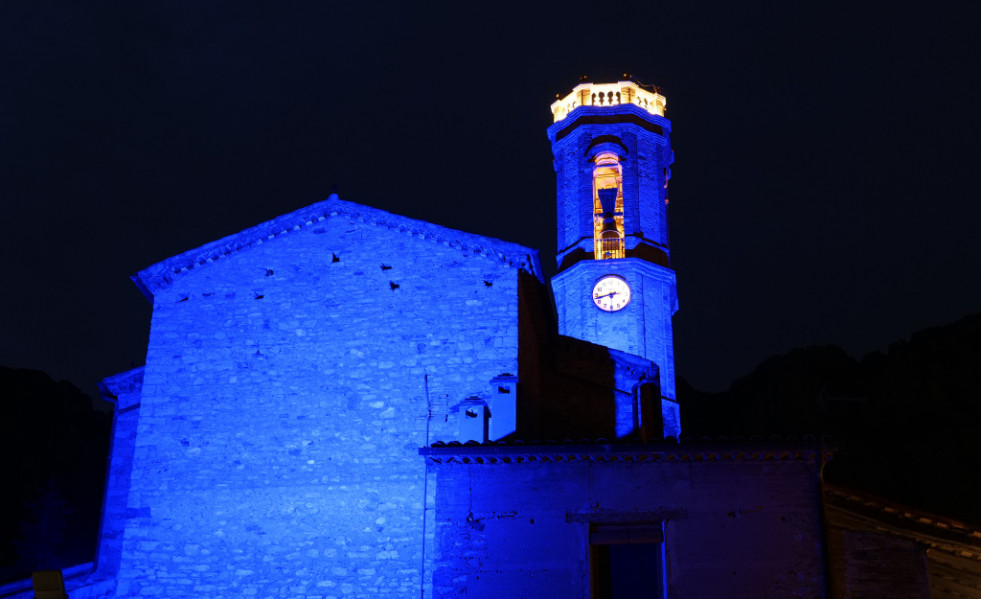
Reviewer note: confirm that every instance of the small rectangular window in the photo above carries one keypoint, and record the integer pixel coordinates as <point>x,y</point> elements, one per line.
<point>627,560</point>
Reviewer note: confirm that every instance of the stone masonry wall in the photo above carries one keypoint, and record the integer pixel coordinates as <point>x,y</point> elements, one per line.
<point>286,393</point>
<point>737,527</point>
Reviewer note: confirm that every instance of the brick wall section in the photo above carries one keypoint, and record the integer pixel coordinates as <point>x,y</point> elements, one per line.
<point>285,399</point>
<point>737,527</point>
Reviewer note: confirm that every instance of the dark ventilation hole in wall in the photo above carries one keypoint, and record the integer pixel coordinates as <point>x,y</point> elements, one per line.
<point>335,259</point>
<point>393,285</point>
<point>488,284</point>
<point>259,296</point>
<point>503,390</point>
<point>386,267</point>
<point>269,272</point>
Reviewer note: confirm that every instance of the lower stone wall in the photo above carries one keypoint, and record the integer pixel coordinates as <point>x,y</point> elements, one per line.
<point>517,522</point>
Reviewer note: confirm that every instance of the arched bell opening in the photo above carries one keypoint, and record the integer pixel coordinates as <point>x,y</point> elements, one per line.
<point>607,207</point>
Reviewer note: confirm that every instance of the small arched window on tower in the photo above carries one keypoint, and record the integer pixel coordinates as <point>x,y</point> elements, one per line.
<point>607,207</point>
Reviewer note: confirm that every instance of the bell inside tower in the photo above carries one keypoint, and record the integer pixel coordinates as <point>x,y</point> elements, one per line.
<point>607,207</point>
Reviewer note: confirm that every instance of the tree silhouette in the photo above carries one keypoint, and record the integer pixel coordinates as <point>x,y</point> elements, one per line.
<point>42,530</point>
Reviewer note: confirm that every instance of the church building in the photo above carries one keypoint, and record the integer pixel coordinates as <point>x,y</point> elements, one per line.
<point>347,403</point>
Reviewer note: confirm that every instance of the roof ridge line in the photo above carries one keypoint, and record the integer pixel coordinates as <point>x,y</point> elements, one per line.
<point>162,274</point>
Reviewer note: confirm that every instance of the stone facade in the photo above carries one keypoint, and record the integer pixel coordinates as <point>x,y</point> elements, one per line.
<point>738,520</point>
<point>292,373</point>
<point>124,391</point>
<point>642,328</point>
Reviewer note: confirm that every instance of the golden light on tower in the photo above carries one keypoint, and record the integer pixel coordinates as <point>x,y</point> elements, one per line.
<point>610,94</point>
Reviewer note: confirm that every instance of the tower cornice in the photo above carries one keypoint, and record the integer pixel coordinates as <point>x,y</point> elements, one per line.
<point>626,114</point>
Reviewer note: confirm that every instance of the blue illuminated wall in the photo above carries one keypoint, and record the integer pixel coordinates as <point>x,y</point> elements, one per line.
<point>124,390</point>
<point>292,373</point>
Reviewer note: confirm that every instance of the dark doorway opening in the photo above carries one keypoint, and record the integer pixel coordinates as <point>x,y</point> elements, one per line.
<point>627,561</point>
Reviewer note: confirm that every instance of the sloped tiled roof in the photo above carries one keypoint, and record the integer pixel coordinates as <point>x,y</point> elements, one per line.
<point>162,274</point>
<point>848,507</point>
<point>952,548</point>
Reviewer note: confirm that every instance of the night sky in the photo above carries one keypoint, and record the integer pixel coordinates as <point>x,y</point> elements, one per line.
<point>825,189</point>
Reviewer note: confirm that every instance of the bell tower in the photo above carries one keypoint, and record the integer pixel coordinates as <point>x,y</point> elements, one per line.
<point>615,287</point>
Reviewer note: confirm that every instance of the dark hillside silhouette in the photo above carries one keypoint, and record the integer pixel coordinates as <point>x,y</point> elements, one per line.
<point>54,447</point>
<point>905,422</point>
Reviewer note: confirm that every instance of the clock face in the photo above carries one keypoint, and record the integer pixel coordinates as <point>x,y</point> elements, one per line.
<point>611,293</point>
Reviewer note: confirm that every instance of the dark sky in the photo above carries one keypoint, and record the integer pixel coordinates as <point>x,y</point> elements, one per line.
<point>825,189</point>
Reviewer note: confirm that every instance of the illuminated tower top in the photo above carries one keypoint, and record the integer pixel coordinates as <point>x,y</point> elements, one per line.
<point>646,97</point>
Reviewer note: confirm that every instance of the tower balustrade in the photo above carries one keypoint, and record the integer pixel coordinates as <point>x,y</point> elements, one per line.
<point>610,94</point>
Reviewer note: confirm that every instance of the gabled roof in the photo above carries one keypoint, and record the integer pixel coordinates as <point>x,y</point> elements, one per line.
<point>162,274</point>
